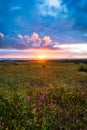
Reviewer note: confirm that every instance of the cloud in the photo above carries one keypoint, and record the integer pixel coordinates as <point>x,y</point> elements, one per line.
<point>85,35</point>
<point>52,17</point>
<point>51,7</point>
<point>27,38</point>
<point>46,40</point>
<point>20,36</point>
<point>34,41</point>
<point>1,35</point>
<point>35,38</point>
<point>15,8</point>
<point>75,48</point>
<point>35,53</point>
<point>25,41</point>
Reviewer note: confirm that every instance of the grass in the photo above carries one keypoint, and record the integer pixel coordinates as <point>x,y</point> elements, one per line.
<point>43,96</point>
<point>82,69</point>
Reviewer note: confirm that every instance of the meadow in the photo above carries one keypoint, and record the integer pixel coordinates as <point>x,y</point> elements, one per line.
<point>37,95</point>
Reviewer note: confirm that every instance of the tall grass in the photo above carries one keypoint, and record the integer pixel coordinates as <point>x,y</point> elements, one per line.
<point>50,96</point>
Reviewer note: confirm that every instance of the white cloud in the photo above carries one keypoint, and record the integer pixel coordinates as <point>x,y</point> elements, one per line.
<point>54,3</point>
<point>56,45</point>
<point>20,36</point>
<point>46,40</point>
<point>1,35</point>
<point>27,38</point>
<point>76,48</point>
<point>50,7</point>
<point>35,40</point>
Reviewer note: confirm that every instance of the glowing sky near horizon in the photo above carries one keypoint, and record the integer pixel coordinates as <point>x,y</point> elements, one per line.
<point>53,29</point>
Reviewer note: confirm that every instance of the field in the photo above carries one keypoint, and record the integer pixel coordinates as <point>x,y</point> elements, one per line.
<point>37,95</point>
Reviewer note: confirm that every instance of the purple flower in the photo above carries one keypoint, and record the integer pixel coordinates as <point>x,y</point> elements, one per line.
<point>43,97</point>
<point>38,105</point>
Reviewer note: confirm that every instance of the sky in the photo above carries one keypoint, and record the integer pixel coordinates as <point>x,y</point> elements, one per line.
<point>54,29</point>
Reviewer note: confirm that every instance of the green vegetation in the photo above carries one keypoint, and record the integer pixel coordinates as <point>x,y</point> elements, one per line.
<point>82,69</point>
<point>43,96</point>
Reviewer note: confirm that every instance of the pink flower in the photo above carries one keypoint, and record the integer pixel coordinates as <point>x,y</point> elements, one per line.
<point>28,98</point>
<point>43,97</point>
<point>38,105</point>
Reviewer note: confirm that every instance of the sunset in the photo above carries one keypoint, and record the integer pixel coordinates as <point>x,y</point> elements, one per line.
<point>52,25</point>
<point>43,64</point>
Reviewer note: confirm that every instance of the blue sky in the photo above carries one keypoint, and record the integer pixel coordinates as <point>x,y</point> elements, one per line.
<point>45,24</point>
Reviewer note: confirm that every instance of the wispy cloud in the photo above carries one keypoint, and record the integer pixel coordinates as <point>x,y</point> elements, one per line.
<point>1,35</point>
<point>20,36</point>
<point>85,35</point>
<point>15,8</point>
<point>50,7</point>
<point>75,48</point>
<point>35,53</point>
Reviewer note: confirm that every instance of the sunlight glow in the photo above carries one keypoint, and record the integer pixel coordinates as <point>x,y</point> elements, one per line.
<point>42,57</point>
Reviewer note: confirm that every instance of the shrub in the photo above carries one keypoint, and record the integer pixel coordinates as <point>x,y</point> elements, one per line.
<point>83,69</point>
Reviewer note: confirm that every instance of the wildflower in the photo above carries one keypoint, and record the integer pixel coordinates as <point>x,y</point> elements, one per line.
<point>28,98</point>
<point>43,97</point>
<point>38,105</point>
<point>35,109</point>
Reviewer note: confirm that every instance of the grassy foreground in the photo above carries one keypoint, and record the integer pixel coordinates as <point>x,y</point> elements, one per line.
<point>43,96</point>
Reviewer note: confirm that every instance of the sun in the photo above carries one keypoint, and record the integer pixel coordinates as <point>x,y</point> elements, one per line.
<point>41,57</point>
